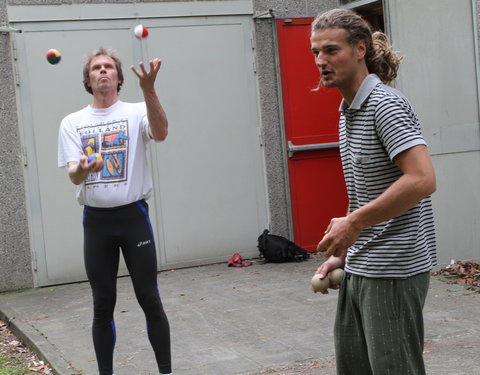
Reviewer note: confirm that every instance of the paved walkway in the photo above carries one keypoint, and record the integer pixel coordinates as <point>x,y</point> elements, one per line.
<point>231,321</point>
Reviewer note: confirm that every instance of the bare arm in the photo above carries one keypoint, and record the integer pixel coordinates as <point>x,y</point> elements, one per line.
<point>417,182</point>
<point>157,117</point>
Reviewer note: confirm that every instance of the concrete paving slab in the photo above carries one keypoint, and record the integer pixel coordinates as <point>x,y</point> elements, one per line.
<point>231,321</point>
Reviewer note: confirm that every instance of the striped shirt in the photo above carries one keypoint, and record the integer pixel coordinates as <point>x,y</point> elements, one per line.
<point>379,124</point>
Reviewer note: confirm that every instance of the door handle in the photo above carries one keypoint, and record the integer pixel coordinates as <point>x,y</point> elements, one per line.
<point>314,146</point>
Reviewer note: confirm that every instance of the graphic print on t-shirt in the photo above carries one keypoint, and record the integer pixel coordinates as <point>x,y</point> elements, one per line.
<point>114,166</point>
<point>114,139</point>
<point>110,140</point>
<point>89,145</point>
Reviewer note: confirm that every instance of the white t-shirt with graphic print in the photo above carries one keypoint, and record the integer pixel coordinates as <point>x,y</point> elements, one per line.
<point>120,134</point>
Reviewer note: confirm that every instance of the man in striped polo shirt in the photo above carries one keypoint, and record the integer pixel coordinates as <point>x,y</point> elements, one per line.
<point>386,241</point>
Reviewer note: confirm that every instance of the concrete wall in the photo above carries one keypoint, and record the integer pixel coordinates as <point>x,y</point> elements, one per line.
<point>15,248</point>
<point>277,178</point>
<point>455,243</point>
<point>15,255</point>
<point>450,122</point>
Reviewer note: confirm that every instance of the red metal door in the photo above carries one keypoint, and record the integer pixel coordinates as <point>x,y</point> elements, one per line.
<point>317,187</point>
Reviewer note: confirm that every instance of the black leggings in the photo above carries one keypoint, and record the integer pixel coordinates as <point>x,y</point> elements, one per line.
<point>106,230</point>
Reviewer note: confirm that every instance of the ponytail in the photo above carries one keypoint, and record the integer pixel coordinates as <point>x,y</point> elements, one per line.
<point>381,59</point>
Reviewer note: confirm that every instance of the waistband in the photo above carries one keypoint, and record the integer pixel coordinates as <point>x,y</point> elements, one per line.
<point>142,202</point>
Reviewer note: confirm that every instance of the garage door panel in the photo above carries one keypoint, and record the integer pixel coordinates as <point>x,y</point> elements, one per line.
<point>210,162</point>
<point>209,198</point>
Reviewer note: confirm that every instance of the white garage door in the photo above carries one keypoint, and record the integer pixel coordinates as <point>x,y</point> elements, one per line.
<point>209,198</point>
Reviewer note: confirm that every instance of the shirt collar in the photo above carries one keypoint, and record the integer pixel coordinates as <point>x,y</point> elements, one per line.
<point>366,88</point>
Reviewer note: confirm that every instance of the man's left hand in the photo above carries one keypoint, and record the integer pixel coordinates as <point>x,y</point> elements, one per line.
<point>339,236</point>
<point>147,78</point>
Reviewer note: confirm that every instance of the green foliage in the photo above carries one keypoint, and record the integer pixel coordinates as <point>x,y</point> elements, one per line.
<point>12,366</point>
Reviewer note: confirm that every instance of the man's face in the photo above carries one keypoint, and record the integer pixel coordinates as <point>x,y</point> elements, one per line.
<point>103,74</point>
<point>335,58</point>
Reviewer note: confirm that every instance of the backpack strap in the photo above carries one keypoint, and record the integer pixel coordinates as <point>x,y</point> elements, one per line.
<point>300,254</point>
<point>264,238</point>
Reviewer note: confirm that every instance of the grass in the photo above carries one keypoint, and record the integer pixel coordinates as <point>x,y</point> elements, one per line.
<point>12,366</point>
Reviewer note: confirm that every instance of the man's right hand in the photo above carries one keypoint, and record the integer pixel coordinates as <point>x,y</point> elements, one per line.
<point>79,171</point>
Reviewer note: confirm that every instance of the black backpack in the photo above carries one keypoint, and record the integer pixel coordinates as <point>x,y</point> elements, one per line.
<point>278,249</point>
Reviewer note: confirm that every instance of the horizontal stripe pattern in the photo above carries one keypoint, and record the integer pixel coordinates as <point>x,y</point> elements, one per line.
<point>372,133</point>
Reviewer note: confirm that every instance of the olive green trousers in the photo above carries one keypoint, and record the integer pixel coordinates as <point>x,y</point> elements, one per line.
<point>379,325</point>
